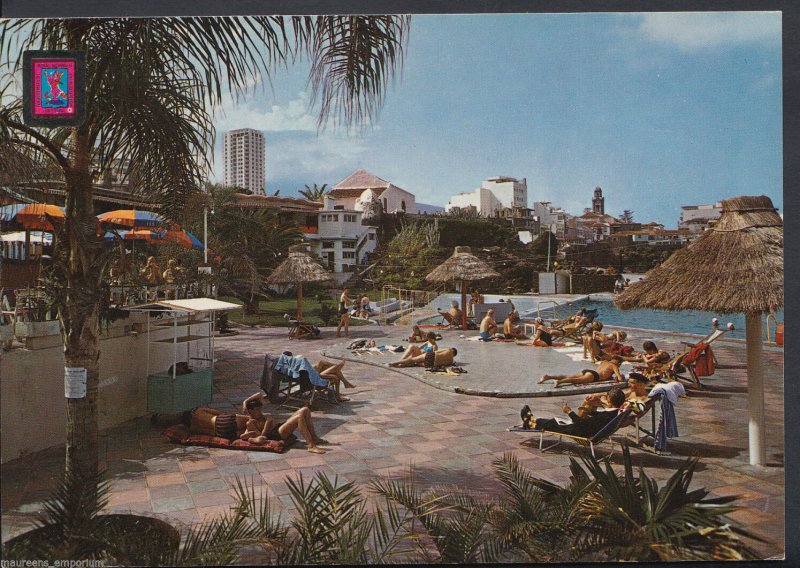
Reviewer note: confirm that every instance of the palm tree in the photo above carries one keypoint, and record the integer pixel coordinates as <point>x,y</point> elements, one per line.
<point>249,241</point>
<point>148,84</point>
<point>315,193</point>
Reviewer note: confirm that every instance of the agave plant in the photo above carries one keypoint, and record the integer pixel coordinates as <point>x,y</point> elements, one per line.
<point>630,518</point>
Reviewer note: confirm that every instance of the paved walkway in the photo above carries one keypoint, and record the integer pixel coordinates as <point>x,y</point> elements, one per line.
<point>394,420</point>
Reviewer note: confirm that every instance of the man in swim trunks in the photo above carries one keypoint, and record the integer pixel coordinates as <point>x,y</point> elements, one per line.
<point>440,358</point>
<point>605,371</point>
<point>488,326</point>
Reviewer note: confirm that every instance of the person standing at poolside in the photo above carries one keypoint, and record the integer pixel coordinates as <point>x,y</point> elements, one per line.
<point>488,326</point>
<point>344,314</point>
<point>475,298</point>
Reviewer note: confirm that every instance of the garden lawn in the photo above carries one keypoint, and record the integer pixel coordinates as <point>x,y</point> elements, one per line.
<point>271,312</point>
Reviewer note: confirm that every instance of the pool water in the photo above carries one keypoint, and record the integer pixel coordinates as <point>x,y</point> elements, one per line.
<point>698,322</point>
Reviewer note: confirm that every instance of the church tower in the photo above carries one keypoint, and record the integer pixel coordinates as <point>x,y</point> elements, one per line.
<point>598,201</point>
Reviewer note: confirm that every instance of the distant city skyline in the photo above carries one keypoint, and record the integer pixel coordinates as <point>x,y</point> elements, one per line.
<point>659,110</point>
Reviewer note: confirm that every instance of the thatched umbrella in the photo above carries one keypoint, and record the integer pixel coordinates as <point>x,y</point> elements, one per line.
<point>296,269</point>
<point>735,266</point>
<point>463,266</point>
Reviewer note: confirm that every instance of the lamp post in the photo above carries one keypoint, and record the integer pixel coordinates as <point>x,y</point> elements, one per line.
<point>549,234</point>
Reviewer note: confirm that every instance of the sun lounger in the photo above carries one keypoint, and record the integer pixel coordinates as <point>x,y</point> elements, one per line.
<point>302,330</point>
<point>275,384</point>
<point>689,365</point>
<point>605,435</point>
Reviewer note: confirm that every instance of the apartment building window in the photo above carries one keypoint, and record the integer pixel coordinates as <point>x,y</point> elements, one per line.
<point>349,218</point>
<point>349,244</point>
<point>327,244</point>
<point>372,236</point>
<point>403,205</point>
<point>348,255</point>
<point>338,207</point>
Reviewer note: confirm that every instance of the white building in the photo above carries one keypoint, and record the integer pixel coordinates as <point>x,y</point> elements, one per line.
<point>341,241</point>
<point>697,218</point>
<point>494,195</point>
<point>362,187</point>
<point>553,219</point>
<point>243,156</point>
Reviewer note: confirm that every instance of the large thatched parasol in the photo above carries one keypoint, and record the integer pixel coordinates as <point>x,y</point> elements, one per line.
<point>297,269</point>
<point>463,266</point>
<point>736,266</point>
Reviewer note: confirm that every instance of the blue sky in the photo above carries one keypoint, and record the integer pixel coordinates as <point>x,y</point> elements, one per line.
<point>660,110</point>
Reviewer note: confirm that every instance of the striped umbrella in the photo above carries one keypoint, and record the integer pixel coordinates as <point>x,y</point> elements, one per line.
<point>8,212</point>
<point>184,238</point>
<point>176,236</point>
<point>35,216</point>
<point>132,218</point>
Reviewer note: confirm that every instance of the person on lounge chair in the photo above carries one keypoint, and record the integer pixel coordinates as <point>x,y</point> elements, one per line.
<point>440,358</point>
<point>453,315</point>
<point>605,371</point>
<point>584,426</point>
<point>488,326</point>
<point>652,356</point>
<point>636,394</point>
<point>259,428</point>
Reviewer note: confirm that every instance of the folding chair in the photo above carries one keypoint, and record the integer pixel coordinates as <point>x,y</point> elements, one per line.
<point>687,362</point>
<point>637,418</point>
<point>301,330</point>
<point>604,435</point>
<point>276,384</point>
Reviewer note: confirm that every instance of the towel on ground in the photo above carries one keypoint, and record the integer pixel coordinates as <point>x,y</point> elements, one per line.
<point>292,366</point>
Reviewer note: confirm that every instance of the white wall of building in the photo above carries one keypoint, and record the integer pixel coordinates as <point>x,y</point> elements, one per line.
<point>550,218</point>
<point>342,241</point>
<point>395,199</point>
<point>696,217</point>
<point>510,192</point>
<point>34,410</point>
<point>243,155</point>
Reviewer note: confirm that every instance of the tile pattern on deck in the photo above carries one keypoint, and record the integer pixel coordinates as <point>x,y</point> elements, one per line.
<point>394,420</point>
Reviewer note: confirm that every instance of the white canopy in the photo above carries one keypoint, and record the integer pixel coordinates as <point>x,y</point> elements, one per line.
<point>191,305</point>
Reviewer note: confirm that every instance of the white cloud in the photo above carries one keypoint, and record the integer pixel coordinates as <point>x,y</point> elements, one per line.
<point>703,30</point>
<point>294,116</point>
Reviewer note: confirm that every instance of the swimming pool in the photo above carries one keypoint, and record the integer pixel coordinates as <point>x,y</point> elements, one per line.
<point>698,322</point>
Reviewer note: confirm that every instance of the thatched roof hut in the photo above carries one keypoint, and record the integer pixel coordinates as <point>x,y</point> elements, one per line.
<point>298,267</point>
<point>463,266</point>
<point>735,266</point>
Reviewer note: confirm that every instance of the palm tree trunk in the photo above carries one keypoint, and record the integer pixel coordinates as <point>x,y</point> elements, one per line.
<point>80,309</point>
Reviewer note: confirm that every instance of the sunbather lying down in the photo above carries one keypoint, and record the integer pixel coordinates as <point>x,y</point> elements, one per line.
<point>605,371</point>
<point>585,424</point>
<point>253,426</point>
<point>439,358</point>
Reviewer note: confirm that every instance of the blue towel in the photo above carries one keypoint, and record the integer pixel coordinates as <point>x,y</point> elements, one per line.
<point>292,366</point>
<point>667,424</point>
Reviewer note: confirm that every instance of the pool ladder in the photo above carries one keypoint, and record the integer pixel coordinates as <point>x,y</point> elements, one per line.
<point>778,330</point>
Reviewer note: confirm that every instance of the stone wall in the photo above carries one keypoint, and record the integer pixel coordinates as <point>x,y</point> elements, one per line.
<point>592,283</point>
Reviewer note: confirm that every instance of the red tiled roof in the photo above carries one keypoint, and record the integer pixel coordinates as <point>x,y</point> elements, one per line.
<point>361,179</point>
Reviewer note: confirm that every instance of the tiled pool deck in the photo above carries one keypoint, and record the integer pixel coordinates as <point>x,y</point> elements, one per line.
<point>394,419</point>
